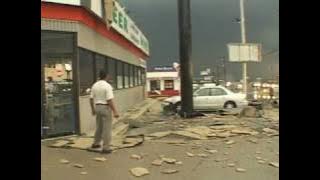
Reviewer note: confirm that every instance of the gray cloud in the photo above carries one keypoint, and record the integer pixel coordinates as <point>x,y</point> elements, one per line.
<point>212,29</point>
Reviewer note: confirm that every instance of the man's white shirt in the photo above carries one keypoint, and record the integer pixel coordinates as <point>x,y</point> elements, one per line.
<point>101,91</point>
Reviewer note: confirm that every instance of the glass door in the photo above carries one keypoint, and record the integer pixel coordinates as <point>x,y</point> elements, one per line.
<point>58,101</point>
<point>57,89</point>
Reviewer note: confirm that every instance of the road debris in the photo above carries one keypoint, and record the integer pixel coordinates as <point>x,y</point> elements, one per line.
<point>270,131</point>
<point>212,151</point>
<point>220,160</point>
<point>169,171</point>
<point>169,160</point>
<point>78,165</point>
<point>202,155</point>
<point>139,171</point>
<point>223,135</point>
<point>59,144</point>
<point>190,135</point>
<point>230,142</point>
<point>83,173</point>
<point>274,164</point>
<point>253,141</point>
<point>100,159</point>
<point>135,156</point>
<point>64,161</point>
<point>241,170</point>
<point>243,131</point>
<point>157,162</point>
<point>190,154</point>
<point>249,112</point>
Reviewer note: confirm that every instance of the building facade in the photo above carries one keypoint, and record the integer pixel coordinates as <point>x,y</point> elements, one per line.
<point>76,43</point>
<point>163,81</point>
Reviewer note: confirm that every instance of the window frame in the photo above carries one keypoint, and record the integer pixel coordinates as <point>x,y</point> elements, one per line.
<point>220,89</point>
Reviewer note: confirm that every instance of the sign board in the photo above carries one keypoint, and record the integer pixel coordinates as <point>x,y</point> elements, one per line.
<point>122,23</point>
<point>163,69</point>
<point>249,52</point>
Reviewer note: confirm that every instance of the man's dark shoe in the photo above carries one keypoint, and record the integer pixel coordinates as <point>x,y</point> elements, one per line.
<point>106,151</point>
<point>95,146</point>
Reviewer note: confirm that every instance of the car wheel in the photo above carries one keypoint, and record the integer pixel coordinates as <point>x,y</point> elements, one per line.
<point>230,105</point>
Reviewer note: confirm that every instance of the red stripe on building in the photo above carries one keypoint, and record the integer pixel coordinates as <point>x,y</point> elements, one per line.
<point>81,14</point>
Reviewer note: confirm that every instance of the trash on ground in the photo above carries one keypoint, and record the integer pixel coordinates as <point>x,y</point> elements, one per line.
<point>202,155</point>
<point>241,170</point>
<point>78,165</point>
<point>100,159</point>
<point>253,141</point>
<point>270,131</point>
<point>274,164</point>
<point>135,156</point>
<point>169,171</point>
<point>212,151</point>
<point>169,160</point>
<point>230,142</point>
<point>59,144</point>
<point>190,154</point>
<point>157,162</point>
<point>64,161</point>
<point>139,171</point>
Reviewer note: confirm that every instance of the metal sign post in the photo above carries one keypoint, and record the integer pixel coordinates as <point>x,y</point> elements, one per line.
<point>243,39</point>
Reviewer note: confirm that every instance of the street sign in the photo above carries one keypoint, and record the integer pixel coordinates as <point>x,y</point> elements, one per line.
<point>244,52</point>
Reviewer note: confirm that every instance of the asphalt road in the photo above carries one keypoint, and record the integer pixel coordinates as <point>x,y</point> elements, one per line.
<point>243,153</point>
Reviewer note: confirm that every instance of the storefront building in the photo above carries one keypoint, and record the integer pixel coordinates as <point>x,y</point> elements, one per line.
<point>163,81</point>
<point>76,43</point>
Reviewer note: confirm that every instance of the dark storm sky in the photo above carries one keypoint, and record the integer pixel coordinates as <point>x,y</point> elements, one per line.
<point>212,29</point>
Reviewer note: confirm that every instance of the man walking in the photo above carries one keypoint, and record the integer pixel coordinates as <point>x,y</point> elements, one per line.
<point>101,101</point>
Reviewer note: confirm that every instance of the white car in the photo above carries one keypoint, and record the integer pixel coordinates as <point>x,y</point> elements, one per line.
<point>208,98</point>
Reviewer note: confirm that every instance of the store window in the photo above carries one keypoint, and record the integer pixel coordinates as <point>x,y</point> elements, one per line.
<point>135,75</point>
<point>126,75</point>
<point>86,73</point>
<point>111,66</point>
<point>100,64</point>
<point>155,85</point>
<point>168,85</point>
<point>139,76</point>
<point>131,77</point>
<point>120,82</point>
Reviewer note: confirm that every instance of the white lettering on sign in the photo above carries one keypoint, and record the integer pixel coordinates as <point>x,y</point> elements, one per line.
<point>122,23</point>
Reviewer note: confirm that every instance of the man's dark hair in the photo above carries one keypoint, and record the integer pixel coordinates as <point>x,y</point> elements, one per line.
<point>102,74</point>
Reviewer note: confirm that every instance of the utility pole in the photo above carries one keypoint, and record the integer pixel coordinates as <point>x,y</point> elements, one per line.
<point>185,58</point>
<point>243,39</point>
